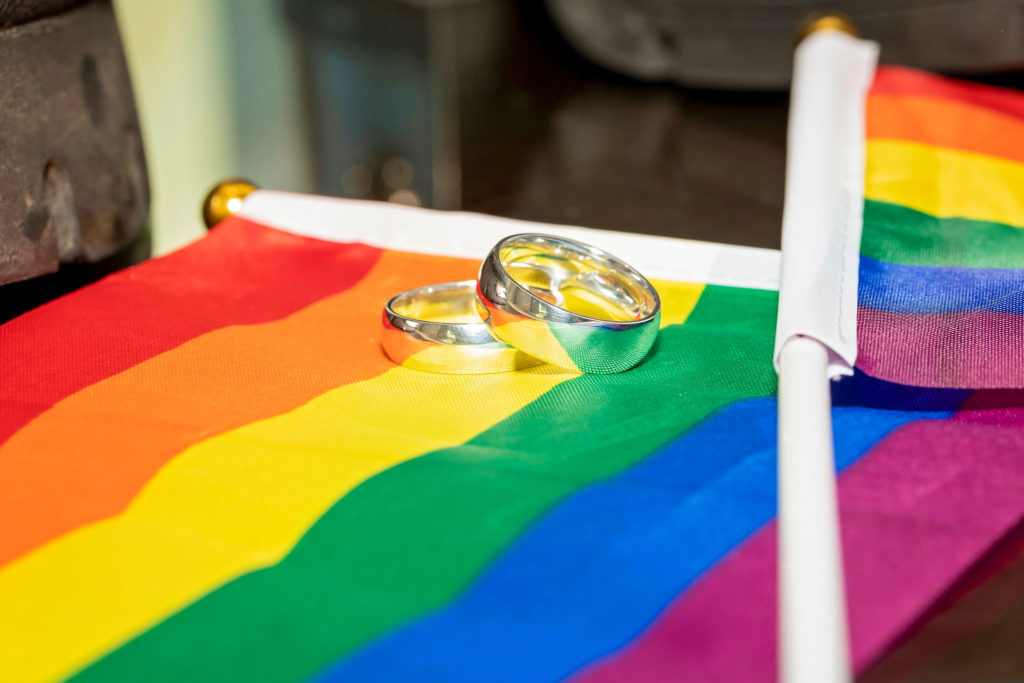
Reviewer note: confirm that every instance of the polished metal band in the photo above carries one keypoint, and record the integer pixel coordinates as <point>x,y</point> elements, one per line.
<point>568,303</point>
<point>438,329</point>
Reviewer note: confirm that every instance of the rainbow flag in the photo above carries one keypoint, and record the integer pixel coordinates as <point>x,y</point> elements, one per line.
<point>941,298</point>
<point>210,471</point>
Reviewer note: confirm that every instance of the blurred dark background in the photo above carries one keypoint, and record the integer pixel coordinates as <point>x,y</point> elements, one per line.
<point>484,106</point>
<point>657,117</point>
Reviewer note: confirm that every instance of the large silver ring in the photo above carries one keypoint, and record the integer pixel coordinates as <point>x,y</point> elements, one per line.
<point>438,329</point>
<point>568,303</point>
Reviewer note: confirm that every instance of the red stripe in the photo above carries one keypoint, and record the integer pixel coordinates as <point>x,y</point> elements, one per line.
<point>895,80</point>
<point>241,273</point>
<point>917,512</point>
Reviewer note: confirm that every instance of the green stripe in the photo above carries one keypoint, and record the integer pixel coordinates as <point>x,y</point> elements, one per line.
<point>897,234</point>
<point>410,539</point>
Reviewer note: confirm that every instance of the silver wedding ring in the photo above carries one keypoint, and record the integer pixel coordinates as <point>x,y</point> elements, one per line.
<point>439,329</point>
<point>568,303</point>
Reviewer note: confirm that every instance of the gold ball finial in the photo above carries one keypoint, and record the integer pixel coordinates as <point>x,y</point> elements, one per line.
<point>225,199</point>
<point>826,21</point>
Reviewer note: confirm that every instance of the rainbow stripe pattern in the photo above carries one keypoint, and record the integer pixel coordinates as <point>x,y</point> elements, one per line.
<point>941,299</point>
<point>209,471</point>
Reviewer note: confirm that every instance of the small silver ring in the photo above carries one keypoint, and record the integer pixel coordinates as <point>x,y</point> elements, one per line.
<point>438,329</point>
<point>568,303</point>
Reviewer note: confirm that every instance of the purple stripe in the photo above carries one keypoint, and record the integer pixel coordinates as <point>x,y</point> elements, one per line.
<point>977,350</point>
<point>917,513</point>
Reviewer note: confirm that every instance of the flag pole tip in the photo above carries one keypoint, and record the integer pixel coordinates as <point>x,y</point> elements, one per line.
<point>225,199</point>
<point>816,22</point>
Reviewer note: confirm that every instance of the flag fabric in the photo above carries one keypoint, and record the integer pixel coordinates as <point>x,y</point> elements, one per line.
<point>210,471</point>
<point>941,294</point>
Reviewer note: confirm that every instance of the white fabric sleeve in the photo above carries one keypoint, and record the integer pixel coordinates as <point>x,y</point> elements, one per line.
<point>821,223</point>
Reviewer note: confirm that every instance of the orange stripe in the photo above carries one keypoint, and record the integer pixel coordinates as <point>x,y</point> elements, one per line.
<point>82,460</point>
<point>945,123</point>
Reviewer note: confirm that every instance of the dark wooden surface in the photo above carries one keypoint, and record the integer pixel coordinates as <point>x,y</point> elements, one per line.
<point>554,139</point>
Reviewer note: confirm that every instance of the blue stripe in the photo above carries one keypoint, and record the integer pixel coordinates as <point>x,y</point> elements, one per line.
<point>930,289</point>
<point>593,572</point>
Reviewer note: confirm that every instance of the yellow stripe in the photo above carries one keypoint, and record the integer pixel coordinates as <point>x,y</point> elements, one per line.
<point>945,182</point>
<point>241,501</point>
<point>677,300</point>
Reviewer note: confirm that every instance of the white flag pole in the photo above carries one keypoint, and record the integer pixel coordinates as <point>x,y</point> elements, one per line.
<point>816,340</point>
<point>812,609</point>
